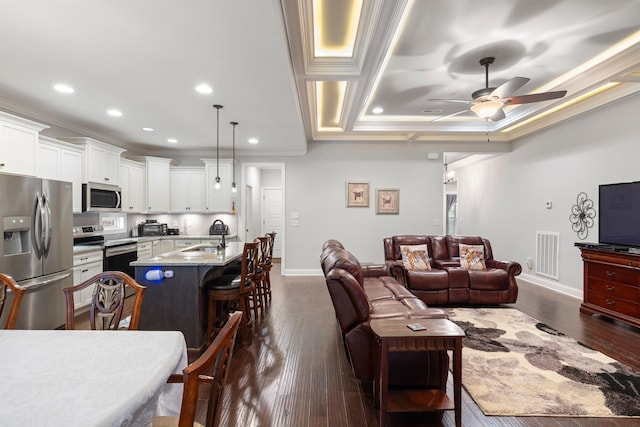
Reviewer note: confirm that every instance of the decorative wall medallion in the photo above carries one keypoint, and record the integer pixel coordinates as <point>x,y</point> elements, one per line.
<point>582,215</point>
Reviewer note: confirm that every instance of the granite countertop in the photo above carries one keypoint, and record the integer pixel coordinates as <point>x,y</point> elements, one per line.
<point>184,237</point>
<point>202,254</point>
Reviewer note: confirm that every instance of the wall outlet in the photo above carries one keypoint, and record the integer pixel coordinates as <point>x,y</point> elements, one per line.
<point>529,263</point>
<point>548,204</point>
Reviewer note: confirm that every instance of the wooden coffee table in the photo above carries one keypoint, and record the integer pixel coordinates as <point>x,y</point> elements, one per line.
<point>440,334</point>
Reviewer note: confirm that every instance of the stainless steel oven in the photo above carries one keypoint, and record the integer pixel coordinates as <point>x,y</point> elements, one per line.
<point>117,257</point>
<point>117,254</point>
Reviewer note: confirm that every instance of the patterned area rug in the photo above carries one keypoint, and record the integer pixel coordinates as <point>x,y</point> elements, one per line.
<point>513,365</point>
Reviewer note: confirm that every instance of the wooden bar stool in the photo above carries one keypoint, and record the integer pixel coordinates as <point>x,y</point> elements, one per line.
<point>260,276</point>
<point>268,264</point>
<point>229,292</point>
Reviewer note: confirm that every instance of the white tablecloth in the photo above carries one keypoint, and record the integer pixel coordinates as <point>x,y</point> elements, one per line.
<point>88,378</point>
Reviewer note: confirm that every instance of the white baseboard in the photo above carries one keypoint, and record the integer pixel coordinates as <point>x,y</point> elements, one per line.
<point>302,272</point>
<point>552,285</point>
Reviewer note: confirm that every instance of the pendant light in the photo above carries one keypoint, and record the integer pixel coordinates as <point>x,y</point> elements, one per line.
<point>234,189</point>
<point>217,184</point>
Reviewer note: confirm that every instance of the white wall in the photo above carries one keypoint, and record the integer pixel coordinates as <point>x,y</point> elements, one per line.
<point>315,188</point>
<point>503,198</point>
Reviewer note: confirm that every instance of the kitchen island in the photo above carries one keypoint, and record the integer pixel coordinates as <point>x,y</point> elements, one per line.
<point>175,299</point>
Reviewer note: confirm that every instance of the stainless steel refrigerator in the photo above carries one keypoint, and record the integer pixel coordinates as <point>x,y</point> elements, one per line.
<point>37,246</point>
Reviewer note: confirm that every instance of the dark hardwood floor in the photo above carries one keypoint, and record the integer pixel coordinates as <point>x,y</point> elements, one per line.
<point>295,372</point>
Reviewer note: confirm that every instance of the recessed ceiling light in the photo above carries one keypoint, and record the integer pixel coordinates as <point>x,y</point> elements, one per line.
<point>172,140</point>
<point>63,88</point>
<point>377,110</point>
<point>253,140</point>
<point>204,88</point>
<point>114,113</point>
<point>148,129</point>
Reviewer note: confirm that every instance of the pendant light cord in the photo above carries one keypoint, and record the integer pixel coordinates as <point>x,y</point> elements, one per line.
<point>218,107</point>
<point>233,150</point>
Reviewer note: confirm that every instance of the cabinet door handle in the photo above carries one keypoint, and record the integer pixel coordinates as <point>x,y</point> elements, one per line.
<point>611,273</point>
<point>84,258</point>
<point>1,165</point>
<point>610,288</point>
<point>106,179</point>
<point>609,302</point>
<point>85,270</point>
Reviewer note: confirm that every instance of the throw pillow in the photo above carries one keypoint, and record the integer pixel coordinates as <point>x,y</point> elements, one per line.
<point>472,257</point>
<point>415,257</point>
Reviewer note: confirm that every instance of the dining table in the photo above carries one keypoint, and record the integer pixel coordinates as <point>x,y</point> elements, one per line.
<point>89,378</point>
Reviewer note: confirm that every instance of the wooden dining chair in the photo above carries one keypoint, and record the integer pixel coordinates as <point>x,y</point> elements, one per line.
<point>210,370</point>
<point>107,302</point>
<point>8,284</point>
<point>229,292</point>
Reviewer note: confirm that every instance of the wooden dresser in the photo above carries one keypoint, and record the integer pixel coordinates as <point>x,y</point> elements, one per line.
<point>612,285</point>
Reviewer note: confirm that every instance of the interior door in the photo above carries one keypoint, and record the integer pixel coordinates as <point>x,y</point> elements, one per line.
<point>272,216</point>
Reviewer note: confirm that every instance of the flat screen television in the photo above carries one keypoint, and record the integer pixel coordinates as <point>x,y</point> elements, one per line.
<point>619,222</point>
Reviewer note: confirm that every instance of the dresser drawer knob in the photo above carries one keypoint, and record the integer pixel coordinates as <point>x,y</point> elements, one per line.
<point>610,288</point>
<point>609,302</point>
<point>611,273</point>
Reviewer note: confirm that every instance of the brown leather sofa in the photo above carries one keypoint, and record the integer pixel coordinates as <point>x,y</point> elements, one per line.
<point>360,295</point>
<point>447,282</point>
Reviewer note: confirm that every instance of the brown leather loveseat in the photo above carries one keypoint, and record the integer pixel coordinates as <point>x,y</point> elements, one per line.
<point>359,296</point>
<point>447,282</point>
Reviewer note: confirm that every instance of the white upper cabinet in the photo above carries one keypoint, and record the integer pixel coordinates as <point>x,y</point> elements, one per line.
<point>102,161</point>
<point>61,161</point>
<point>158,183</point>
<point>187,189</point>
<point>218,200</point>
<point>132,182</point>
<point>18,144</point>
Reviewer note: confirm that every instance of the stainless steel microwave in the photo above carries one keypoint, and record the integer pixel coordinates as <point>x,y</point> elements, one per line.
<point>97,197</point>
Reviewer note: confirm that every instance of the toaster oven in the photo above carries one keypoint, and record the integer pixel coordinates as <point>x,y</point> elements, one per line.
<point>152,229</point>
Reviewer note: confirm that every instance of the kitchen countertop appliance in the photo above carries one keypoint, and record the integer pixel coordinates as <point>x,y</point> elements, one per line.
<point>118,253</point>
<point>152,227</point>
<point>37,247</point>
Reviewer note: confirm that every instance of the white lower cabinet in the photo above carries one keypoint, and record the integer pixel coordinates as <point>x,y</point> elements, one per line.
<point>161,247</point>
<point>85,266</point>
<point>145,249</point>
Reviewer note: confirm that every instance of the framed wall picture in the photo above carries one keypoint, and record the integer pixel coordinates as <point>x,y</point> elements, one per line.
<point>387,201</point>
<point>357,194</point>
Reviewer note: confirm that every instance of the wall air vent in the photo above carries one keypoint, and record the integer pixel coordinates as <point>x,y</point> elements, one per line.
<point>547,254</point>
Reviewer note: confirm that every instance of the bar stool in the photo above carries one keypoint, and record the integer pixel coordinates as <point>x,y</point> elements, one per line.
<point>268,264</point>
<point>229,290</point>
<point>260,276</point>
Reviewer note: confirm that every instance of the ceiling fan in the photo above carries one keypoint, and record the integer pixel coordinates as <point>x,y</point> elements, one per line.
<point>487,103</point>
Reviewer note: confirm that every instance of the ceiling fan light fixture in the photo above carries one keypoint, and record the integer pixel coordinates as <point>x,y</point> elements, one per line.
<point>486,109</point>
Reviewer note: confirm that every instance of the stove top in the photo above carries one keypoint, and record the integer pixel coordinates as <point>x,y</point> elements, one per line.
<point>87,230</point>
<point>94,235</point>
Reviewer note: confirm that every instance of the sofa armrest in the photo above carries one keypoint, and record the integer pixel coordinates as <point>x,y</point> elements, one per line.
<point>511,267</point>
<point>374,270</point>
<point>397,271</point>
<point>444,263</point>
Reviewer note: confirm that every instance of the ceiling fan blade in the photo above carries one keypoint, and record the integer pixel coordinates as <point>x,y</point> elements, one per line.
<point>509,87</point>
<point>450,100</point>
<point>534,97</point>
<point>450,115</point>
<point>499,115</point>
